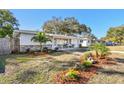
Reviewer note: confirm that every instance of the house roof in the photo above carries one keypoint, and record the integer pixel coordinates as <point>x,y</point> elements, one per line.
<point>32,32</point>
<point>26,31</point>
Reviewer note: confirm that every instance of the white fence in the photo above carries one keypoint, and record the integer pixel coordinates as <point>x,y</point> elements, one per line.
<point>4,46</point>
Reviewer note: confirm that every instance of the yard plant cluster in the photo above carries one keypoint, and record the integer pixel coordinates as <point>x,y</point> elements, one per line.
<point>89,63</point>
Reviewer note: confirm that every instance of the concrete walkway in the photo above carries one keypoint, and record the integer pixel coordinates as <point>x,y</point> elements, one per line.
<point>117,52</point>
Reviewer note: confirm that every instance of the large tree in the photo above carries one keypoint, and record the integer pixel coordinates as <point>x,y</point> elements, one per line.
<point>116,34</point>
<point>53,26</point>
<point>71,25</point>
<point>8,23</point>
<point>68,25</point>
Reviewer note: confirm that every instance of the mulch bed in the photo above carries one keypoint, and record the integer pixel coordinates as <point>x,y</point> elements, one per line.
<point>85,74</point>
<point>107,61</point>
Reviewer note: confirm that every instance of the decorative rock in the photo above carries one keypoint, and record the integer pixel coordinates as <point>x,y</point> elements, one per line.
<point>77,66</point>
<point>94,62</point>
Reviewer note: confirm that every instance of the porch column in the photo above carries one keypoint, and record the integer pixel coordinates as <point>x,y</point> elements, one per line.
<point>53,41</point>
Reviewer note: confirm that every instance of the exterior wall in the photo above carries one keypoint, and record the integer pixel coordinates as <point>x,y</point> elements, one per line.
<point>25,39</point>
<point>24,48</point>
<point>26,43</point>
<point>75,42</point>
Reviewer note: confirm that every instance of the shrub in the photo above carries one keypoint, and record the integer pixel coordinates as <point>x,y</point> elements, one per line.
<point>71,74</point>
<point>87,63</point>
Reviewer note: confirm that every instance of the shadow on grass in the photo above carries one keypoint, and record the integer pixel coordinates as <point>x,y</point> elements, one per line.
<point>120,60</point>
<point>113,61</point>
<point>67,65</point>
<point>3,62</point>
<point>26,76</point>
<point>59,53</point>
<point>112,72</point>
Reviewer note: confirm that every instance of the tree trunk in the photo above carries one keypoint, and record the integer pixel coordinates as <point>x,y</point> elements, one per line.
<point>120,41</point>
<point>97,54</point>
<point>40,47</point>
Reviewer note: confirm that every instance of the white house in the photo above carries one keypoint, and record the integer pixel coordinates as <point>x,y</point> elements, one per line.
<point>58,40</point>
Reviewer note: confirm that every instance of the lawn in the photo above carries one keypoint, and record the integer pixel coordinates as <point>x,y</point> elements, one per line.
<point>29,69</point>
<point>116,48</point>
<point>24,68</point>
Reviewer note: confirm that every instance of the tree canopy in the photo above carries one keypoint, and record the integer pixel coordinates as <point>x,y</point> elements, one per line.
<point>68,25</point>
<point>8,23</point>
<point>115,34</point>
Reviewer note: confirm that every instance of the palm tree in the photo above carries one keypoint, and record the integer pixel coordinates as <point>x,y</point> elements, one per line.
<point>100,49</point>
<point>96,47</point>
<point>41,38</point>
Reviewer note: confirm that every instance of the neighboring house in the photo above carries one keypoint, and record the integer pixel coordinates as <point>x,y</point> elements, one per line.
<point>22,41</point>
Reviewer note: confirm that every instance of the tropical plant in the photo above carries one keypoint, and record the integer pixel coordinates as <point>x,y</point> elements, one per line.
<point>103,51</point>
<point>71,75</point>
<point>95,47</point>
<point>100,50</point>
<point>87,63</point>
<point>41,38</point>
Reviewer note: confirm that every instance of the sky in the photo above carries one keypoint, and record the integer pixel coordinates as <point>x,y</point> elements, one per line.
<point>99,20</point>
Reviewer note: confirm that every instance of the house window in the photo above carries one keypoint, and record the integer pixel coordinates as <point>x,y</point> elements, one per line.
<point>81,41</point>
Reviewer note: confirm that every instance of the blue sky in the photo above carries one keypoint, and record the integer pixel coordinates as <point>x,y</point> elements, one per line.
<point>99,20</point>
